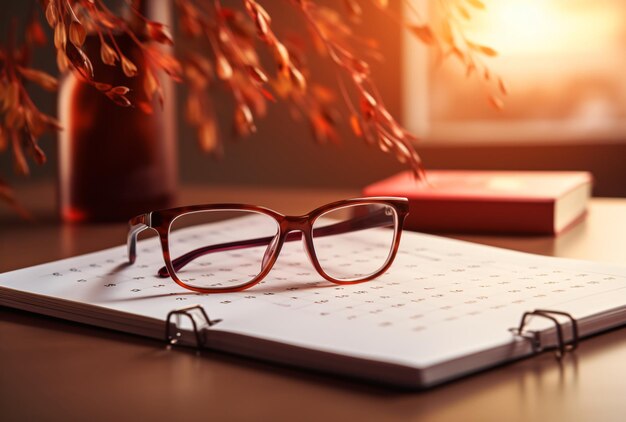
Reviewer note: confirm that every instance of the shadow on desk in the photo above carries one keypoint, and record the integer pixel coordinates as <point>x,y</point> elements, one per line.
<point>135,374</point>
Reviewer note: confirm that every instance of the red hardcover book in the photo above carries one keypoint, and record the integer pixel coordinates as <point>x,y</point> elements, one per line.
<point>527,202</point>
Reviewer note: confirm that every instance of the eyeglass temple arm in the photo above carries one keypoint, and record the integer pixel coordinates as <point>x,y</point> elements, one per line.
<point>378,219</point>
<point>137,225</point>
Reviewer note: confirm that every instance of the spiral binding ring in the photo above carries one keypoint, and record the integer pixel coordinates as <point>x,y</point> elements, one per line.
<point>562,346</point>
<point>199,320</point>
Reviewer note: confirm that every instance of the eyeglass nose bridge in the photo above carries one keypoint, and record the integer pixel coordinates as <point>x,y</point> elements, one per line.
<point>295,223</point>
<point>302,225</point>
<point>289,226</point>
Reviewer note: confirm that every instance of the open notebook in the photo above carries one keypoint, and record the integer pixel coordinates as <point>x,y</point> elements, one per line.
<point>445,308</point>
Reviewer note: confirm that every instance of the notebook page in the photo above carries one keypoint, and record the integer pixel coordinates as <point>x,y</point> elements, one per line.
<point>440,300</point>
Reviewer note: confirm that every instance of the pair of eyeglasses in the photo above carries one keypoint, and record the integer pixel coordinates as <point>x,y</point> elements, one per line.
<point>223,248</point>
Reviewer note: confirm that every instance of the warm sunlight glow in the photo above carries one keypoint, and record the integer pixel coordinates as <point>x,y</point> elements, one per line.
<point>564,62</point>
<point>538,27</point>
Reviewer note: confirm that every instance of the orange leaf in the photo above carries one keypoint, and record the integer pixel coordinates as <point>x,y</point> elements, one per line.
<point>207,136</point>
<point>487,51</point>
<point>356,126</point>
<point>11,95</point>
<point>257,74</point>
<point>369,100</point>
<point>62,63</point>
<point>384,143</point>
<point>18,154</point>
<point>150,84</point>
<point>79,60</point>
<point>282,56</point>
<point>354,9</point>
<point>118,99</point>
<point>145,107</point>
<point>244,121</point>
<point>268,95</point>
<point>77,33</point>
<point>128,67</point>
<point>34,123</point>
<point>477,4</point>
<point>262,25</point>
<point>463,12</point>
<point>60,36</point>
<point>159,33</point>
<point>496,102</point>
<point>42,79</point>
<point>423,32</point>
<point>120,90</point>
<point>172,67</point>
<point>107,54</point>
<point>447,33</point>
<point>15,118</point>
<point>50,122</point>
<point>298,78</point>
<point>51,14</point>
<point>38,154</point>
<point>502,86</point>
<point>223,68</point>
<point>102,86</point>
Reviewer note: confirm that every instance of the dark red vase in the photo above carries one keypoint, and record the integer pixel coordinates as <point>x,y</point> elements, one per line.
<point>115,162</point>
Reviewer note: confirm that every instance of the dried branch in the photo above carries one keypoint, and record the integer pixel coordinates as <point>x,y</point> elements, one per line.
<point>21,122</point>
<point>369,118</point>
<point>446,33</point>
<point>220,48</point>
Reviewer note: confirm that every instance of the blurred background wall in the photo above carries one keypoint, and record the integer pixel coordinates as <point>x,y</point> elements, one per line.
<point>283,153</point>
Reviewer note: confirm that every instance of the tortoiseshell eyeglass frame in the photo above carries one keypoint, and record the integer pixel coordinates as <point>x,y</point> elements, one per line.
<point>290,228</point>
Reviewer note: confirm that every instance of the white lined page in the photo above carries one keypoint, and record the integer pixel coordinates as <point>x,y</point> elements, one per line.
<point>440,300</point>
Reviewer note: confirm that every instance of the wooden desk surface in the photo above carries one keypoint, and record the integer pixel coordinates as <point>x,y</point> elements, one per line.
<point>53,369</point>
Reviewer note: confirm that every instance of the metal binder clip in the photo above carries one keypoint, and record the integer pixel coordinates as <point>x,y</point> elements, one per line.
<point>199,320</point>
<point>562,345</point>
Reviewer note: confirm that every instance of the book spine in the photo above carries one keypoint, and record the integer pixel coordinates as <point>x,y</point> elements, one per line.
<point>481,216</point>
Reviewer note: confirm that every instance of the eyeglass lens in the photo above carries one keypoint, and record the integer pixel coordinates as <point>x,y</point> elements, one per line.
<point>350,243</point>
<point>220,255</point>
<point>356,247</point>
